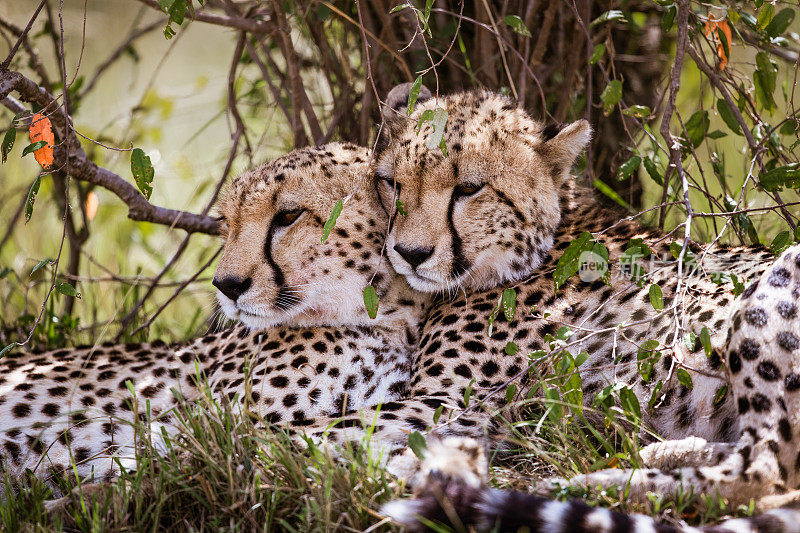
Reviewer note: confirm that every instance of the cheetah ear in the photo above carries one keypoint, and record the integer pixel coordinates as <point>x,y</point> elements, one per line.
<point>397,100</point>
<point>562,143</point>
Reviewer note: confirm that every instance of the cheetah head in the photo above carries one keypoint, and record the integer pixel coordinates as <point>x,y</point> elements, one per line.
<point>485,210</point>
<point>274,268</point>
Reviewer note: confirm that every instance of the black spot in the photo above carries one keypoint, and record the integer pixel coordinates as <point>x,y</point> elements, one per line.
<point>756,316</point>
<point>779,277</point>
<point>744,405</point>
<point>760,403</point>
<point>785,429</point>
<point>279,382</point>
<point>792,382</point>
<point>787,310</point>
<point>749,349</point>
<point>734,362</point>
<point>768,371</point>
<point>788,341</point>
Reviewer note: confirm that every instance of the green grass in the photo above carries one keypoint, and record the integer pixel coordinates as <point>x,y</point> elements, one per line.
<point>223,472</point>
<point>227,471</point>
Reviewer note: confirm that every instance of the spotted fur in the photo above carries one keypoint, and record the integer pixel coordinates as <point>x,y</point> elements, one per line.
<point>319,355</point>
<point>456,495</point>
<point>499,207</point>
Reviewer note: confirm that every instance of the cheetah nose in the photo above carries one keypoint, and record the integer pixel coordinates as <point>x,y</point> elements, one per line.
<point>414,256</point>
<point>231,286</point>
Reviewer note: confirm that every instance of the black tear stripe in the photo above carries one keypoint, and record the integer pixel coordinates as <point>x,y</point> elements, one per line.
<point>284,300</point>
<point>460,263</point>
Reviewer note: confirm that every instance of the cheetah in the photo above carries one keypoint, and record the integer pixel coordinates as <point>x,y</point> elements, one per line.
<point>308,343</point>
<point>456,495</point>
<point>496,211</point>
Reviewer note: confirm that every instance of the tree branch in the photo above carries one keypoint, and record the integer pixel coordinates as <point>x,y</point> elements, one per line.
<point>256,27</point>
<point>70,152</point>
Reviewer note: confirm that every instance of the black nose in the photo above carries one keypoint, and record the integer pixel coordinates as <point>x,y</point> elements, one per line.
<point>231,286</point>
<point>414,256</point>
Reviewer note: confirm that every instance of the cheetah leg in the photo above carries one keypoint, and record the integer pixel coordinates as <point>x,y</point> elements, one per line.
<point>387,428</point>
<point>763,357</point>
<point>691,451</point>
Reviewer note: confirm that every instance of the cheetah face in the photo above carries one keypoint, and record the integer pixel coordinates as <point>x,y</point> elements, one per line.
<point>485,211</point>
<point>274,268</point>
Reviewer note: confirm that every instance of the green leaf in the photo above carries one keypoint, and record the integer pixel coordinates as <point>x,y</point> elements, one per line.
<point>426,116</point>
<point>568,263</point>
<point>786,176</point>
<point>5,272</point>
<point>727,116</point>
<point>517,24</point>
<point>67,289</point>
<point>401,207</point>
<point>638,111</point>
<point>437,414</point>
<point>33,147</point>
<point>6,349</point>
<point>669,18</point>
<point>611,95</point>
<point>31,198</point>
<point>413,94</point>
<point>8,142</point>
<point>627,168</point>
<point>655,395</point>
<point>40,264</point>
<point>511,348</point>
<point>780,22</point>
<point>705,340</point>
<point>764,81</point>
<point>656,297</point>
<point>508,301</point>
<point>765,16</point>
<point>177,11</point>
<point>613,14</point>
<point>610,193</point>
<point>597,54</point>
<point>697,126</point>
<point>331,222</point>
<point>684,378</point>
<point>630,404</point>
<point>652,171</point>
<point>719,396</point>
<point>690,341</point>
<point>439,122</point>
<point>400,7</point>
<point>781,242</point>
<point>142,171</point>
<point>371,301</point>
<point>511,391</point>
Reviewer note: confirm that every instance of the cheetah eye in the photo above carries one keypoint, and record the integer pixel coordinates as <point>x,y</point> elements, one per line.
<point>390,183</point>
<point>287,218</point>
<point>466,189</point>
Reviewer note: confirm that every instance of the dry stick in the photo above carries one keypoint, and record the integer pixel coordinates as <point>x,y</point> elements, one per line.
<point>22,36</point>
<point>669,110</point>
<point>293,70</point>
<point>35,61</point>
<point>502,48</point>
<point>154,283</point>
<point>514,50</point>
<point>256,27</point>
<point>71,153</point>
<point>176,293</point>
<point>13,222</point>
<point>755,147</point>
<point>116,54</point>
